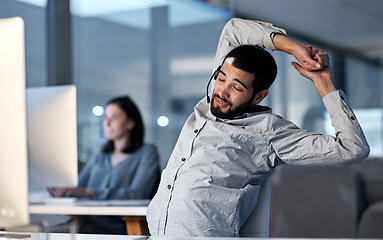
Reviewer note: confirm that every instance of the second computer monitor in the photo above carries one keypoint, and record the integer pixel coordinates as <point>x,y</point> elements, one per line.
<point>52,137</point>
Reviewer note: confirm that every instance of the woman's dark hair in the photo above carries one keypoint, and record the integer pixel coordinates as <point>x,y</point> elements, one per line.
<point>257,61</point>
<point>137,133</point>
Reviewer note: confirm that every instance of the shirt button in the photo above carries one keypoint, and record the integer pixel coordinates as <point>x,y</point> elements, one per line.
<point>183,159</point>
<point>169,186</point>
<point>352,118</point>
<point>195,131</point>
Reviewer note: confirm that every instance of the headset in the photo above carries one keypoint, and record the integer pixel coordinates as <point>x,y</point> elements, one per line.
<point>215,76</point>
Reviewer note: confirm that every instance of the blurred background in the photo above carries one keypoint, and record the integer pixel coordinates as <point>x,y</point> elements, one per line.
<point>160,52</point>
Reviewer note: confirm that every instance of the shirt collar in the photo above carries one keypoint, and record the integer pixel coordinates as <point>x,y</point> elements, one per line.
<point>257,109</point>
<point>203,108</point>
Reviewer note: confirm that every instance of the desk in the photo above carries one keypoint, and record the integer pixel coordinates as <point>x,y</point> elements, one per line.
<point>65,236</point>
<point>133,212</point>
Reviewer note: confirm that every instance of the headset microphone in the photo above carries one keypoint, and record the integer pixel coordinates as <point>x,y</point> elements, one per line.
<point>215,75</point>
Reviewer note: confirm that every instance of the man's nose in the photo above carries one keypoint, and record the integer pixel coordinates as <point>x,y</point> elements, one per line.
<point>223,91</point>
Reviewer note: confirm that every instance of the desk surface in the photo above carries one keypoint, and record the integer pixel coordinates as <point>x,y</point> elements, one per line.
<point>67,236</point>
<point>111,208</point>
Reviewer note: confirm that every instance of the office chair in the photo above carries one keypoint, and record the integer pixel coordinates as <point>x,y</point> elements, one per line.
<point>257,224</point>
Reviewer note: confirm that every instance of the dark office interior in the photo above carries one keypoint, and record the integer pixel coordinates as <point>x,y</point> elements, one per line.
<point>161,54</point>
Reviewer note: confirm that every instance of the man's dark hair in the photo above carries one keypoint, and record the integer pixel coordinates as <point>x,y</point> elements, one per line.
<point>257,61</point>
<point>137,133</point>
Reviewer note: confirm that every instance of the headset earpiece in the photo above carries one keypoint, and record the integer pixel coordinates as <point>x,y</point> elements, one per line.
<point>216,73</point>
<point>215,76</point>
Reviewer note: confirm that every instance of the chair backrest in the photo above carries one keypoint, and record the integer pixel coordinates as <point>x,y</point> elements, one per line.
<point>257,224</point>
<point>313,202</point>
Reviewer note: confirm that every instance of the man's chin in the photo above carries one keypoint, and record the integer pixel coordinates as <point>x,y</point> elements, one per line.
<point>229,113</point>
<point>217,112</point>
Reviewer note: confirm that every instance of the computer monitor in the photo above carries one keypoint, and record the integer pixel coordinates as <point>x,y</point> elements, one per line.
<point>52,137</point>
<point>13,143</point>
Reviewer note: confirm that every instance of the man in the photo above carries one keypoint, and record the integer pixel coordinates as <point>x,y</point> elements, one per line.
<point>230,145</point>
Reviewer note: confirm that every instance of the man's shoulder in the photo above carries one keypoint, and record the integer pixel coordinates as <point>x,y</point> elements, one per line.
<point>268,122</point>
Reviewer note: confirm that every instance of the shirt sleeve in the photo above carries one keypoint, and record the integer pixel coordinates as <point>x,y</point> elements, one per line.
<point>238,32</point>
<point>295,146</point>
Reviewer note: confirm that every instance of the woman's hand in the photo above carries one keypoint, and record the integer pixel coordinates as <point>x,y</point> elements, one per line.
<point>70,192</point>
<point>56,191</point>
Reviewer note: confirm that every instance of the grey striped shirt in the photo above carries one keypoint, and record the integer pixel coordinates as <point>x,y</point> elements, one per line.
<point>213,176</point>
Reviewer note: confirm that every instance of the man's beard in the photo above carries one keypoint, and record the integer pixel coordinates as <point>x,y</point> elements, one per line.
<point>232,113</point>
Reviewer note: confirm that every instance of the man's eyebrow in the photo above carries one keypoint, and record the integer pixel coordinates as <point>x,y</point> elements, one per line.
<point>235,79</point>
<point>240,82</point>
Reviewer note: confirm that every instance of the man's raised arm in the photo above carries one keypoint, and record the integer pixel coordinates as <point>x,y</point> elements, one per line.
<point>238,32</point>
<point>241,32</point>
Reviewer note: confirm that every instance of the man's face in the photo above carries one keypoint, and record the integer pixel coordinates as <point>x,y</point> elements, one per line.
<point>233,92</point>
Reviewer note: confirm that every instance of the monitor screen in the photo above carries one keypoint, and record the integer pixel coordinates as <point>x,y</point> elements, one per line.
<point>52,137</point>
<point>13,143</point>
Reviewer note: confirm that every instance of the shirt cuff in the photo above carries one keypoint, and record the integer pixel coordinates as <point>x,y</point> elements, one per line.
<point>268,38</point>
<point>337,102</point>
<point>335,96</point>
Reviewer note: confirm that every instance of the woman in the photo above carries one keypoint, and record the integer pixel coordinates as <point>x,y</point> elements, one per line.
<point>125,168</point>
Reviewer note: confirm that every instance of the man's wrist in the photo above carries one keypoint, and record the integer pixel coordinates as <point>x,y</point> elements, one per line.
<point>325,88</point>
<point>283,43</point>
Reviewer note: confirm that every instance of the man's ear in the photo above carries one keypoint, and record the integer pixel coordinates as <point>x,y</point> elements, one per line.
<point>260,96</point>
